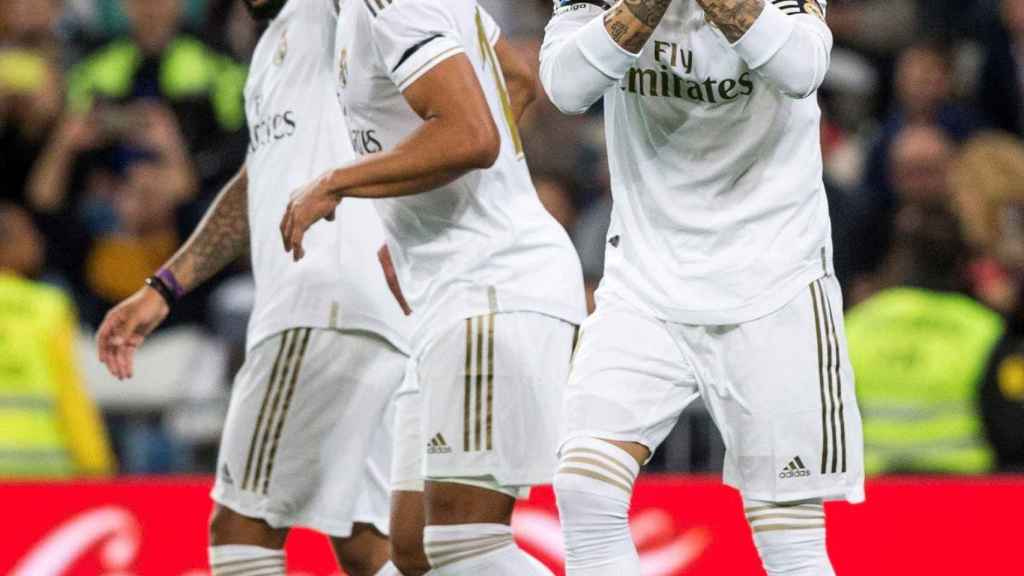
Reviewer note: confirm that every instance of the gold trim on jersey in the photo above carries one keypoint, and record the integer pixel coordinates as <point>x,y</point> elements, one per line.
<point>487,51</point>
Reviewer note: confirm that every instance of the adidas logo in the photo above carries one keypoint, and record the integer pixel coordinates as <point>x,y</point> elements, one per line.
<point>225,474</point>
<point>437,445</point>
<point>795,469</point>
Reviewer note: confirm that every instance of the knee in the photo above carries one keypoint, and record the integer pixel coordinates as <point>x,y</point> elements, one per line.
<point>230,527</point>
<point>407,552</point>
<point>790,537</point>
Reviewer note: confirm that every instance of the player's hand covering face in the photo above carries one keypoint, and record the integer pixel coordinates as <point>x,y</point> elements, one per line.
<point>309,204</point>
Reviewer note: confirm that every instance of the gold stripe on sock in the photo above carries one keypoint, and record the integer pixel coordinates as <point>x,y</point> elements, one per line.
<point>783,515</point>
<point>599,464</point>
<point>595,476</point>
<point>780,527</point>
<point>604,457</point>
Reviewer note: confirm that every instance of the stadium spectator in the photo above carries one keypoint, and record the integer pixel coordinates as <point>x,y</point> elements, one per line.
<point>159,62</point>
<point>1001,86</point>
<point>30,87</point>
<point>114,179</point>
<point>919,350</point>
<point>48,425</point>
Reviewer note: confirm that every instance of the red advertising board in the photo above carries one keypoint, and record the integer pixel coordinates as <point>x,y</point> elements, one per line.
<point>682,525</point>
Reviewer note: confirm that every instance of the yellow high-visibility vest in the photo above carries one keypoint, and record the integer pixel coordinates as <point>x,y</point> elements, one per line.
<point>48,425</point>
<point>919,357</point>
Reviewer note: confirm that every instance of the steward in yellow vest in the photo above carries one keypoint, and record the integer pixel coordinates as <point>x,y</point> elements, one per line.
<point>49,426</point>
<point>919,352</point>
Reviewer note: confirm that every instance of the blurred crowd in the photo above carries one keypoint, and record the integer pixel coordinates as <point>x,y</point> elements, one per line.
<point>120,120</point>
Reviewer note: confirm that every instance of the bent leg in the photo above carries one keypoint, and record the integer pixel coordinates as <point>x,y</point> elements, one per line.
<point>593,485</point>
<point>242,546</point>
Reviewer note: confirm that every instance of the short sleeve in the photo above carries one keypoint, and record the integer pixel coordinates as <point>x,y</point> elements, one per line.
<point>414,36</point>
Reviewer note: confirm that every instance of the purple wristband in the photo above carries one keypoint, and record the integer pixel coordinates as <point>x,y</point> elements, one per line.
<point>168,277</point>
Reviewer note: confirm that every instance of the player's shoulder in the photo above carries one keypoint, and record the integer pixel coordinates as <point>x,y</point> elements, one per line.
<point>408,8</point>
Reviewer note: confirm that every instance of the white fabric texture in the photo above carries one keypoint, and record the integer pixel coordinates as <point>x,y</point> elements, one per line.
<point>780,390</point>
<point>720,215</point>
<point>492,392</point>
<point>303,441</point>
<point>483,243</point>
<point>790,537</point>
<point>242,560</point>
<point>475,549</point>
<point>388,569</point>
<point>593,486</point>
<point>296,133</point>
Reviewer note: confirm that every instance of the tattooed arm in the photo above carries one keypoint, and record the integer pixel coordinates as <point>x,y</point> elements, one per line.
<point>631,22</point>
<point>220,239</point>
<point>733,17</point>
<point>590,45</point>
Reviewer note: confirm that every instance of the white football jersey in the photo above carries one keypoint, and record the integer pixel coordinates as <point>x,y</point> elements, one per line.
<point>720,214</point>
<point>297,133</point>
<point>483,243</point>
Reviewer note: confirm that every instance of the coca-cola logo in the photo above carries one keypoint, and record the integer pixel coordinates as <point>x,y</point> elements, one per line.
<point>113,537</point>
<point>111,530</point>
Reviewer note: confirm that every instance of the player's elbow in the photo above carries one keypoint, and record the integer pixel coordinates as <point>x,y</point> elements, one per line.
<point>561,94</point>
<point>481,145</point>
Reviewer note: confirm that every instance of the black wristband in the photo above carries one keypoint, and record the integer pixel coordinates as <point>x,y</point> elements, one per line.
<point>156,283</point>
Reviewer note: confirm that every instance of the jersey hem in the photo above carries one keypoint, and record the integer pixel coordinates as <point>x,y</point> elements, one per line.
<point>767,303</point>
<point>357,323</point>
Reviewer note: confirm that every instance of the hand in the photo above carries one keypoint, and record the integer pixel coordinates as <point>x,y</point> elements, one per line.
<point>77,133</point>
<point>309,204</point>
<point>126,326</point>
<point>384,256</point>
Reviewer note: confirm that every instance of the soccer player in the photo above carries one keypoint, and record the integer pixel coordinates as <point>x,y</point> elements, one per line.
<point>302,444</point>
<point>718,277</point>
<point>495,283</point>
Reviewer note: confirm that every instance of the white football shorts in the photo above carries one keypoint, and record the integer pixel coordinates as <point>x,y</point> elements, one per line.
<point>779,388</point>
<point>303,443</point>
<point>484,404</point>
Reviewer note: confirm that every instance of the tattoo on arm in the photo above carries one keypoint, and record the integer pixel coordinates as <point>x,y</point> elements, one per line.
<point>220,239</point>
<point>732,17</point>
<point>630,23</point>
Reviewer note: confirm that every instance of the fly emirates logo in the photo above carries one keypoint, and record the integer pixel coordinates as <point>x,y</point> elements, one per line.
<point>267,128</point>
<point>667,79</point>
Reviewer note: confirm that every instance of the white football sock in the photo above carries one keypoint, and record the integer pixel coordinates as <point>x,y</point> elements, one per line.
<point>594,484</point>
<point>388,569</point>
<point>790,537</point>
<point>242,560</point>
<point>476,549</point>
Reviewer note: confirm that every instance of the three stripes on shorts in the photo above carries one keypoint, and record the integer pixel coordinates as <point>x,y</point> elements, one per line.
<point>833,418</point>
<point>478,397</point>
<point>259,464</point>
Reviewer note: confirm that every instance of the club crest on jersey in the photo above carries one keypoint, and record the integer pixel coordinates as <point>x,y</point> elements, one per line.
<point>282,49</point>
<point>343,68</point>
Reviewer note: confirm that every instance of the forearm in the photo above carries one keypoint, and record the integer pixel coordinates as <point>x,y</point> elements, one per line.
<point>732,17</point>
<point>220,239</point>
<point>580,61</point>
<point>437,153</point>
<point>49,180</point>
<point>519,78</point>
<point>789,47</point>
<point>631,22</point>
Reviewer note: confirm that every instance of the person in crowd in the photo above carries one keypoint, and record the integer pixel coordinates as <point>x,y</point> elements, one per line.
<point>114,178</point>
<point>923,86</point>
<point>159,62</point>
<point>49,427</point>
<point>30,87</point>
<point>1001,85</point>
<point>919,160</point>
<point>919,349</point>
